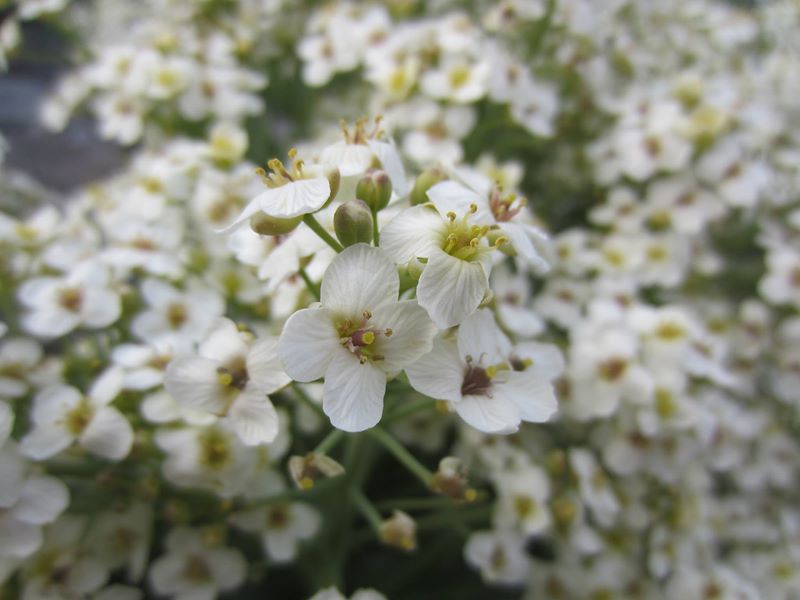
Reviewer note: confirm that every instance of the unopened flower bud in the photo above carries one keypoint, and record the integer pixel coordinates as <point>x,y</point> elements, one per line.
<point>399,531</point>
<point>263,224</point>
<point>375,188</point>
<point>451,480</point>
<point>352,222</point>
<point>306,470</point>
<point>426,180</point>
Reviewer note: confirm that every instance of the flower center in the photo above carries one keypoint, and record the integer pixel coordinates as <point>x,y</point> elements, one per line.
<point>476,382</point>
<point>278,516</point>
<point>196,570</point>
<point>215,451</point>
<point>463,240</point>
<point>361,338</point>
<point>71,299</point>
<point>233,375</point>
<point>505,208</point>
<point>79,417</point>
<point>278,174</point>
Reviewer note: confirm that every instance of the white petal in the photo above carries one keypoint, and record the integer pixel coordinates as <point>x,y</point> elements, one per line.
<point>481,338</point>
<point>107,386</point>
<point>280,546</point>
<point>305,520</point>
<point>159,293</point>
<point>295,198</point>
<point>100,308</point>
<point>18,539</point>
<point>520,240</point>
<point>254,418</point>
<point>45,441</point>
<point>450,289</point>
<point>489,414</point>
<point>548,361</point>
<point>228,567</point>
<point>264,366</point>
<point>252,208</point>
<point>108,434</point>
<point>307,344</point>
<point>412,334</point>
<point>53,402</point>
<point>440,373</point>
<point>193,382</point>
<point>415,232</point>
<point>50,322</point>
<point>520,319</point>
<point>12,475</point>
<point>353,393</point>
<point>43,499</point>
<point>450,196</point>
<point>360,278</point>
<point>534,397</point>
<point>224,342</point>
<point>6,422</point>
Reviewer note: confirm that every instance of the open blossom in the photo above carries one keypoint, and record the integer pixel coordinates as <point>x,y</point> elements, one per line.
<point>62,415</point>
<point>500,212</point>
<point>488,383</point>
<point>356,337</point>
<point>231,377</point>
<point>57,305</point>
<point>456,254</point>
<point>194,569</point>
<point>290,193</point>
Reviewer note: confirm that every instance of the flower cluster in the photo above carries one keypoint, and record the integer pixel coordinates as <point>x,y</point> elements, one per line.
<point>540,317</point>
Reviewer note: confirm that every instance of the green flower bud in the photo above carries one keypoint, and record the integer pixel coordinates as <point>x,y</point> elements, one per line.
<point>352,222</point>
<point>264,224</point>
<point>375,188</point>
<point>426,180</point>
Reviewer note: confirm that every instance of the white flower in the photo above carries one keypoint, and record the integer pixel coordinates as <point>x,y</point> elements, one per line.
<point>27,502</point>
<point>211,457</point>
<point>57,305</point>
<point>356,337</point>
<point>191,569</point>
<point>231,377</point>
<point>62,414</point>
<point>781,284</point>
<point>522,501</point>
<point>18,359</point>
<point>457,260</point>
<point>289,194</point>
<point>494,209</point>
<point>176,317</point>
<point>486,385</point>
<point>282,525</point>
<point>499,555</point>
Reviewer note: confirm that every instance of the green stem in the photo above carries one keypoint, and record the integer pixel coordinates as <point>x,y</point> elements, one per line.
<point>376,239</point>
<point>423,503</point>
<point>409,408</point>
<point>306,399</point>
<point>329,442</point>
<point>367,509</point>
<point>402,455</point>
<point>312,287</point>
<point>321,232</point>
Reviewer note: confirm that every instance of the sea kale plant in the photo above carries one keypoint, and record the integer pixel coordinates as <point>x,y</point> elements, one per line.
<point>407,300</point>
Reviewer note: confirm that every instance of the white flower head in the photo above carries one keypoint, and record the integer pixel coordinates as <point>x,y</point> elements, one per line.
<point>485,383</point>
<point>62,414</point>
<point>231,377</point>
<point>291,192</point>
<point>357,336</point>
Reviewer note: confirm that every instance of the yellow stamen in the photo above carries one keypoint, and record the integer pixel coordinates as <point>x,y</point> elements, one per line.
<point>225,379</point>
<point>368,337</point>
